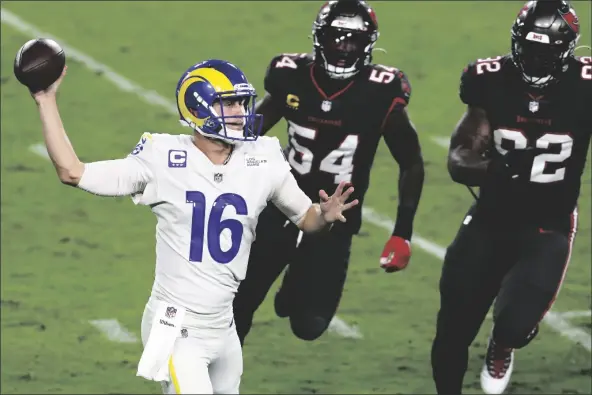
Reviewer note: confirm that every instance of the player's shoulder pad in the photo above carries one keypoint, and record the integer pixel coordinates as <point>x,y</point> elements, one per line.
<point>282,68</point>
<point>146,140</point>
<point>483,68</point>
<point>289,61</point>
<point>477,76</point>
<point>392,81</point>
<point>155,141</point>
<point>269,146</point>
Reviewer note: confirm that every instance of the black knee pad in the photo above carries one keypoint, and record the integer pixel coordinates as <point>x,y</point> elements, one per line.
<point>308,327</point>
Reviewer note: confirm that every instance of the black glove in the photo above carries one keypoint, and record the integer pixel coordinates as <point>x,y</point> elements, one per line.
<point>515,165</point>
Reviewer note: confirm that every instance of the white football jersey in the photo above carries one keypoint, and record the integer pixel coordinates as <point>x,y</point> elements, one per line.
<point>207,213</point>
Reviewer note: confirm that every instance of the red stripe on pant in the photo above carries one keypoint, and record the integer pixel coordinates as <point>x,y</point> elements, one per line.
<point>571,237</point>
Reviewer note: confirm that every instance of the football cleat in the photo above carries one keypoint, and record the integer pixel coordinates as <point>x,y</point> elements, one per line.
<point>497,368</point>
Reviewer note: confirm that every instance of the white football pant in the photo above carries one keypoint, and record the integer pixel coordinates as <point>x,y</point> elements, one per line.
<point>207,361</point>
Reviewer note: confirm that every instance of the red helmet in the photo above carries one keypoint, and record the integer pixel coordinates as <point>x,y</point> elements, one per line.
<point>344,34</point>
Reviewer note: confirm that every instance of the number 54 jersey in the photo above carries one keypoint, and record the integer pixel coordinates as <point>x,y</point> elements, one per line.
<point>333,135</point>
<point>549,131</point>
<point>207,215</point>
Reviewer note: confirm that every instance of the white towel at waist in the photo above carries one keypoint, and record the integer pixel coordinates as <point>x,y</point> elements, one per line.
<point>166,327</point>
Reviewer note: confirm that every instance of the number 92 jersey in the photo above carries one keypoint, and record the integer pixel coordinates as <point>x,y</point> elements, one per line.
<point>550,129</point>
<point>207,214</point>
<point>333,136</point>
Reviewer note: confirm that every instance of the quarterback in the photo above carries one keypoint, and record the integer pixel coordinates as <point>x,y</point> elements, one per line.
<point>207,191</point>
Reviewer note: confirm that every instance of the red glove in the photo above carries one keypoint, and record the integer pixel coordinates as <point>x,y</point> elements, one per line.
<point>396,254</point>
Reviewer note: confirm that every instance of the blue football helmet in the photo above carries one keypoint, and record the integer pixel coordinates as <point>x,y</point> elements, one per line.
<point>205,83</point>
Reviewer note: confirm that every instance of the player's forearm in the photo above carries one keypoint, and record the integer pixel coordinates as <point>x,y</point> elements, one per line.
<point>467,163</point>
<point>410,188</point>
<point>313,221</point>
<point>466,166</point>
<point>68,167</point>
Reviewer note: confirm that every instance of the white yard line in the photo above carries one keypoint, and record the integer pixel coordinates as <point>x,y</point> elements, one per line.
<point>573,333</point>
<point>122,83</point>
<point>114,331</point>
<point>341,328</point>
<point>370,215</point>
<point>154,98</point>
<point>576,314</point>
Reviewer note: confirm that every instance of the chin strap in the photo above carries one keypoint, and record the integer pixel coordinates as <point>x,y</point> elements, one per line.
<point>473,193</point>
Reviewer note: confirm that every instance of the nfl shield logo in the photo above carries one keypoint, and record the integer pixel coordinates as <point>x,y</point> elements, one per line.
<point>533,106</point>
<point>326,105</point>
<point>218,177</point>
<point>170,312</point>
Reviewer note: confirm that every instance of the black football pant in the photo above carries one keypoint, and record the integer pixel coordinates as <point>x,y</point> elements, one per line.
<point>313,283</point>
<point>521,268</point>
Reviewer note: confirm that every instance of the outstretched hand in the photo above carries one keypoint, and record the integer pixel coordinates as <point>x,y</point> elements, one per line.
<point>332,207</point>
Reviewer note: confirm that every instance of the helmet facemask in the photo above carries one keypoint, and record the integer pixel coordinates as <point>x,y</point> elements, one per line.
<point>544,37</point>
<point>344,34</point>
<point>540,63</point>
<point>228,128</point>
<point>231,128</point>
<point>343,51</point>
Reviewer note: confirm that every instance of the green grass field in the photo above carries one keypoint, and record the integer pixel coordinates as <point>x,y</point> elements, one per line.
<point>69,257</point>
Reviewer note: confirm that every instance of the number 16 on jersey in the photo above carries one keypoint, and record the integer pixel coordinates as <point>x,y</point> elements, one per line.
<point>215,226</point>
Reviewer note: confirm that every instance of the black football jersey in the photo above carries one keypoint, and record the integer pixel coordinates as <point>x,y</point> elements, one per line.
<point>554,124</point>
<point>333,136</point>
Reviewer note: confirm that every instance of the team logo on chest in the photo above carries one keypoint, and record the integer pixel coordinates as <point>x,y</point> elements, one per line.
<point>326,105</point>
<point>533,106</point>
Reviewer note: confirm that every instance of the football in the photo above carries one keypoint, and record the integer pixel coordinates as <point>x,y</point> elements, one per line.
<point>39,63</point>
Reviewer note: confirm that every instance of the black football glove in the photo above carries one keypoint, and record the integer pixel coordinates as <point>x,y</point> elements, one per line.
<point>515,165</point>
